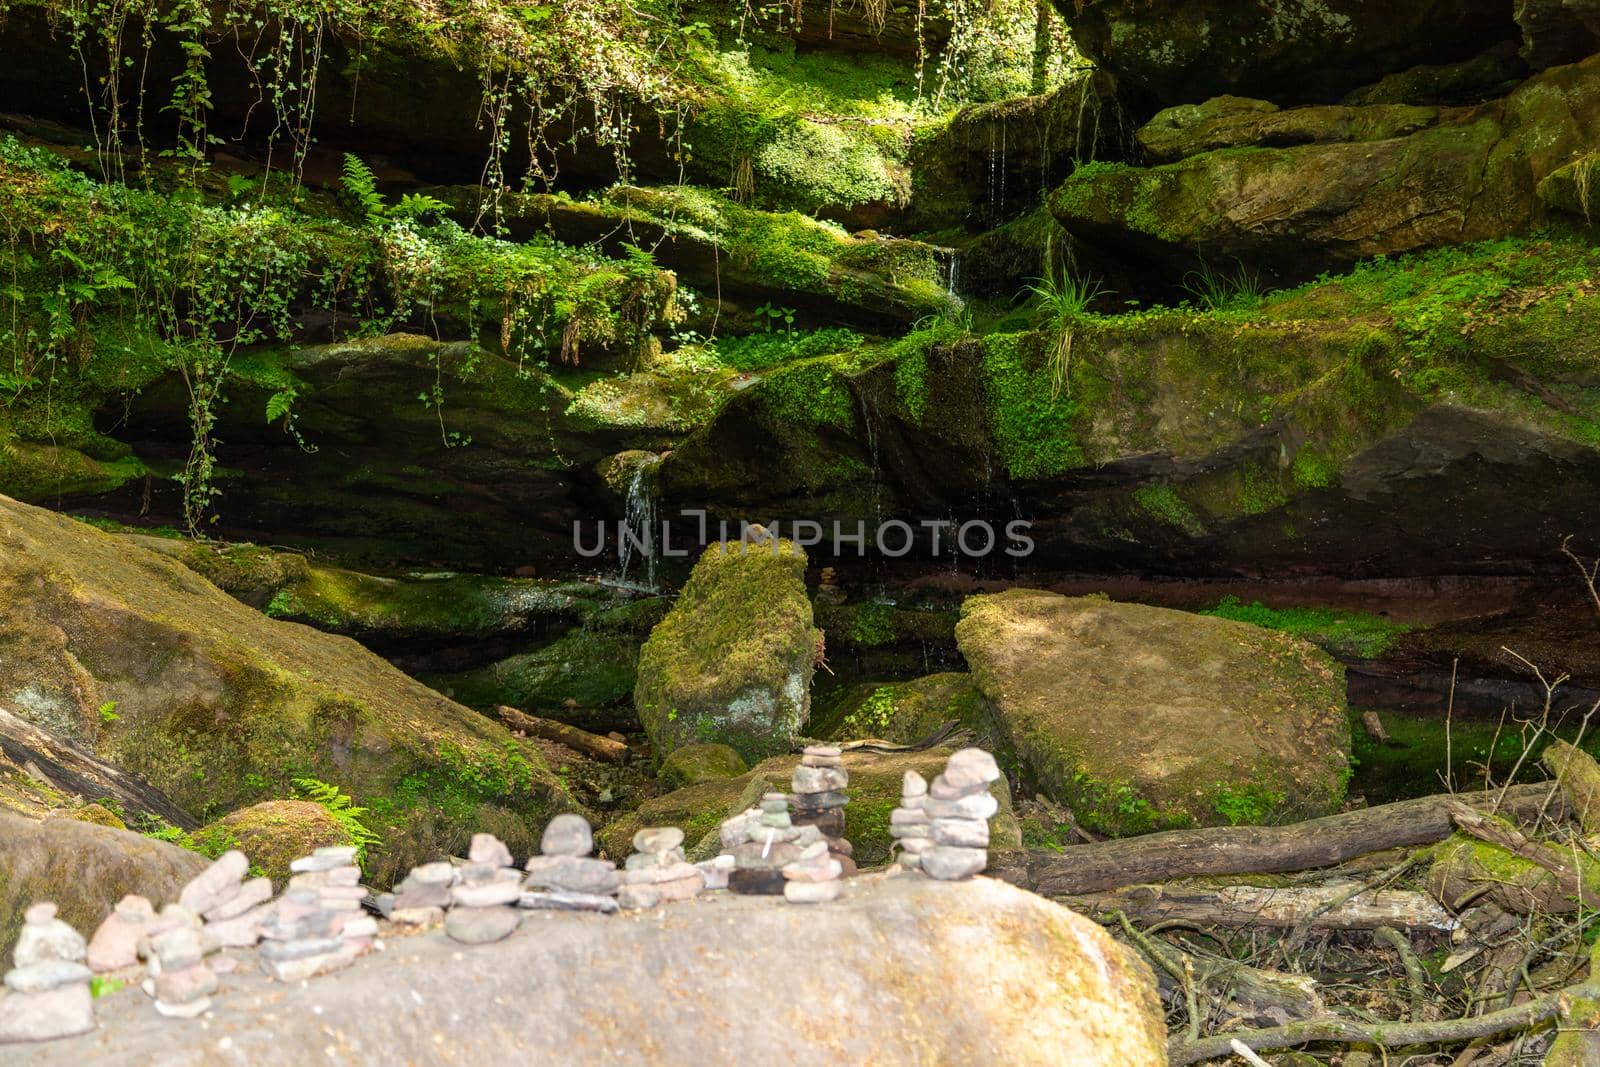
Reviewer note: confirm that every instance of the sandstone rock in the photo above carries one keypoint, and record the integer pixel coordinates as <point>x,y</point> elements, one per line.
<point>732,662</point>
<point>479,926</point>
<point>274,833</point>
<point>692,764</point>
<point>216,884</point>
<point>61,1012</point>
<point>658,839</point>
<point>567,835</point>
<point>115,944</point>
<point>1177,51</point>
<point>952,864</point>
<point>1230,121</point>
<point>1196,711</point>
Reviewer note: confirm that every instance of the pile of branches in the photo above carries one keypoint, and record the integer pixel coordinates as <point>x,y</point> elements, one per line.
<point>1455,929</point>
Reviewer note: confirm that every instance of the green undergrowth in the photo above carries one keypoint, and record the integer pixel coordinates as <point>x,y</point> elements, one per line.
<point>1342,633</point>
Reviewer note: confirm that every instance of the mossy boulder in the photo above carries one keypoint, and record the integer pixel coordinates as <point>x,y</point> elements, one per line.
<point>693,764</point>
<point>85,868</point>
<point>221,707</point>
<point>875,781</point>
<point>1573,188</point>
<point>1178,51</point>
<point>732,661</point>
<point>1231,121</point>
<point>1140,718</point>
<point>1301,209</point>
<point>585,678</point>
<point>274,834</point>
<point>907,712</point>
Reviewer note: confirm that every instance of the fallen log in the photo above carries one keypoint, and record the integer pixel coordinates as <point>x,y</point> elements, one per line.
<point>1248,905</point>
<point>582,741</point>
<point>1223,850</point>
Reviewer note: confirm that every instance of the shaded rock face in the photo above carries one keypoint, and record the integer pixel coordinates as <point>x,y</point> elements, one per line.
<point>84,868</point>
<point>1231,121</point>
<point>732,662</point>
<point>1469,176</point>
<point>1293,51</point>
<point>588,676</point>
<point>902,956</point>
<point>219,706</point>
<point>876,779</point>
<point>1558,31</point>
<point>1140,717</point>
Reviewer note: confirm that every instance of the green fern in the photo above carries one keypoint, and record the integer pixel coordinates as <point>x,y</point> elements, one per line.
<point>343,809</point>
<point>361,187</point>
<point>416,205</point>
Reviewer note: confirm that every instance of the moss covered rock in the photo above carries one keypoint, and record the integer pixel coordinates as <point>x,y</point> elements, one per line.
<point>1140,718</point>
<point>1178,51</point>
<point>875,781</point>
<point>85,868</point>
<point>585,678</point>
<point>693,764</point>
<point>1231,121</point>
<point>907,712</point>
<point>732,662</point>
<point>221,707</point>
<point>274,834</point>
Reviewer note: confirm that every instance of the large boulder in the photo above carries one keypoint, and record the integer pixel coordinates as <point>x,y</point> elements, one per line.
<point>1141,718</point>
<point>1558,31</point>
<point>1231,121</point>
<point>274,833</point>
<point>159,672</point>
<point>584,677</point>
<point>901,971</point>
<point>1292,51</point>
<point>1346,197</point>
<point>875,781</point>
<point>84,869</point>
<point>732,662</point>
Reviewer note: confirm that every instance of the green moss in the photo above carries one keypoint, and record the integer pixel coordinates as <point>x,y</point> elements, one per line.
<point>1247,805</point>
<point>1033,428</point>
<point>692,764</point>
<point>1163,503</point>
<point>810,393</point>
<point>1342,633</point>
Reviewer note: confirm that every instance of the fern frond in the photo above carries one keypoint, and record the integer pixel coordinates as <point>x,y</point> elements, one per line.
<point>361,186</point>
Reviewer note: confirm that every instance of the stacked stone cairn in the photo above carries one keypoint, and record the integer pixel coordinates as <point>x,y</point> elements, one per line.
<point>423,896</point>
<point>908,824</point>
<point>771,842</point>
<point>814,877</point>
<point>657,872</point>
<point>318,925</point>
<point>716,870</point>
<point>819,798</point>
<point>179,979</point>
<point>232,906</point>
<point>564,876</point>
<point>48,989</point>
<point>486,891</point>
<point>958,808</point>
<point>115,945</point>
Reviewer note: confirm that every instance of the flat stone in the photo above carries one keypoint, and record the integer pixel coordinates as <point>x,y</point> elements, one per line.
<point>115,944</point>
<point>178,948</point>
<point>960,833</point>
<point>190,1010</point>
<point>813,851</point>
<point>358,927</point>
<point>433,896</point>
<point>809,780</point>
<point>735,829</point>
<point>777,820</point>
<point>440,873</point>
<point>216,883</point>
<point>980,806</point>
<point>915,845</point>
<point>340,876</point>
<point>716,871</point>
<point>913,785</point>
<point>812,892</point>
<point>821,801</point>
<point>657,839</point>
<point>62,1012</point>
<point>971,767</point>
<point>325,859</point>
<point>902,819</point>
<point>829,822</point>
<point>424,916</point>
<point>479,926</point>
<point>824,751</point>
<point>633,897</point>
<point>952,864</point>
<point>684,888</point>
<point>487,895</point>
<point>943,790</point>
<point>560,901</point>
<point>185,985</point>
<point>299,968</point>
<point>755,882</point>
<point>670,872</point>
<point>645,861</point>
<point>567,835</point>
<point>573,874</point>
<point>252,893</point>
<point>827,870</point>
<point>44,938</point>
<point>487,848</point>
<point>43,977</point>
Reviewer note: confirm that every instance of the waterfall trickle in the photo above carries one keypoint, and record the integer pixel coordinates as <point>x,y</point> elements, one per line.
<point>636,544</point>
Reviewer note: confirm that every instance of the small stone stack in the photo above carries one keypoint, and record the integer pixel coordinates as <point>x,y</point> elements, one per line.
<point>958,808</point>
<point>180,981</point>
<point>716,871</point>
<point>771,843</point>
<point>49,986</point>
<point>908,824</point>
<point>564,876</point>
<point>484,898</point>
<point>819,799</point>
<point>422,898</point>
<point>657,872</point>
<point>318,926</point>
<point>115,945</point>
<point>814,877</point>
<point>232,907</point>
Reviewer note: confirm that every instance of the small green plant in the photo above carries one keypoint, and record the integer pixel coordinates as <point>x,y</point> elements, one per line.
<point>1064,301</point>
<point>361,191</point>
<point>343,809</point>
<point>1216,290</point>
<point>108,711</point>
<point>1249,806</point>
<point>774,317</point>
<point>873,716</point>
<point>100,986</point>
